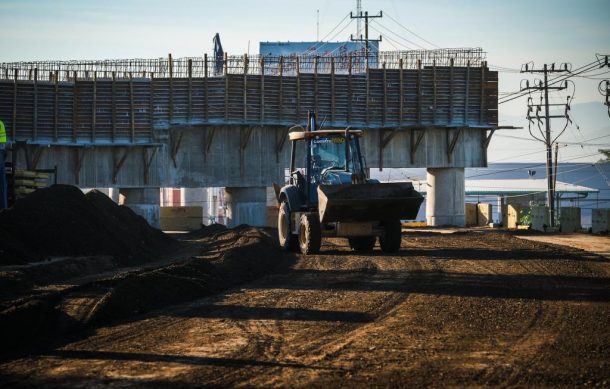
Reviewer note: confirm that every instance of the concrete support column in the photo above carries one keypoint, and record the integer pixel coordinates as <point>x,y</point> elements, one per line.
<point>246,206</point>
<point>144,202</point>
<point>445,197</point>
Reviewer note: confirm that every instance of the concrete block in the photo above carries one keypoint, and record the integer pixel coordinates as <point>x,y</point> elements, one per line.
<point>512,216</point>
<point>181,218</point>
<point>471,215</point>
<point>569,219</point>
<point>540,217</point>
<point>484,214</point>
<point>600,219</point>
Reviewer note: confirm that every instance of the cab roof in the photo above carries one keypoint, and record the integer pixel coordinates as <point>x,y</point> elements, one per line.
<point>300,135</point>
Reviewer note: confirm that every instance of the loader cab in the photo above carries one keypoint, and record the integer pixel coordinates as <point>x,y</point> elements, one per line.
<point>330,157</point>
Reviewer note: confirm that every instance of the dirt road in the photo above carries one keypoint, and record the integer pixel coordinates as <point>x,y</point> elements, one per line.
<point>476,308</point>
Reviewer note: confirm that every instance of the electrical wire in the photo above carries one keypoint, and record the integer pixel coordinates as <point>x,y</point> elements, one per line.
<point>529,167</point>
<point>318,45</point>
<point>395,34</point>
<point>420,37</point>
<point>390,40</point>
<point>552,81</point>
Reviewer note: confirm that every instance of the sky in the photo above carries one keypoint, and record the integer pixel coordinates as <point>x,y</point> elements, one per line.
<point>511,32</point>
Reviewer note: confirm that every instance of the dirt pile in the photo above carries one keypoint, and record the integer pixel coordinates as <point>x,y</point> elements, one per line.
<point>62,221</point>
<point>231,258</point>
<point>223,260</point>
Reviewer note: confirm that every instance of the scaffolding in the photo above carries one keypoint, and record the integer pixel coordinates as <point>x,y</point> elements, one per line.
<point>209,66</point>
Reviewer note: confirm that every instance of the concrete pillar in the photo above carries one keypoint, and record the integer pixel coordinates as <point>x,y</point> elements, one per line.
<point>144,202</point>
<point>445,197</point>
<point>246,206</point>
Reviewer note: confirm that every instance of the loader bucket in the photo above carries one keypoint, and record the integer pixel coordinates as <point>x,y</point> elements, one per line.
<point>368,202</point>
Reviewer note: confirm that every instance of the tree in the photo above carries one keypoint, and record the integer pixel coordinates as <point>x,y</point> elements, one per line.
<point>606,153</point>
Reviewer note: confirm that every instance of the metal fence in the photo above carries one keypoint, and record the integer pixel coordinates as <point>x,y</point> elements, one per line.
<point>209,66</point>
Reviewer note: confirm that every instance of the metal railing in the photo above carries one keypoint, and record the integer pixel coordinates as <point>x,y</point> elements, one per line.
<point>208,66</point>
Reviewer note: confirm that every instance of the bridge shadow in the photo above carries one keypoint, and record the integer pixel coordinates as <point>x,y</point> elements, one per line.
<point>241,312</point>
<point>169,358</point>
<point>518,286</point>
<point>466,253</point>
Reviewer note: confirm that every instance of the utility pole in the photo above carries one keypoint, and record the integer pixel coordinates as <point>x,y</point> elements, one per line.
<point>317,25</point>
<point>366,39</point>
<point>546,136</point>
<point>358,22</point>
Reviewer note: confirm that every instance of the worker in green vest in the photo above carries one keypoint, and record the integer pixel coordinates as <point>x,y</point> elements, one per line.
<point>3,188</point>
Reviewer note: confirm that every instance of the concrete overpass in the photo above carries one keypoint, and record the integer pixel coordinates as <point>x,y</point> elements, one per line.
<point>139,125</point>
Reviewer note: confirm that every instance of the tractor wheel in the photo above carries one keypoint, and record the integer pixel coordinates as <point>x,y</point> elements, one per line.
<point>288,241</point>
<point>362,243</point>
<point>390,241</point>
<point>310,237</point>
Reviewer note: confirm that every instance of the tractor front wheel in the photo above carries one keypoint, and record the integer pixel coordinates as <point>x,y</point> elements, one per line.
<point>310,235</point>
<point>390,241</point>
<point>288,241</point>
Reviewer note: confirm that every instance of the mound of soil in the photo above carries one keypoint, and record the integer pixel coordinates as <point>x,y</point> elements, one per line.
<point>226,259</point>
<point>62,221</point>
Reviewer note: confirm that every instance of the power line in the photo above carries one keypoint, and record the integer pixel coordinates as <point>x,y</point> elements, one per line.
<point>390,40</point>
<point>529,167</point>
<point>553,81</point>
<point>400,37</point>
<point>420,37</point>
<point>320,44</point>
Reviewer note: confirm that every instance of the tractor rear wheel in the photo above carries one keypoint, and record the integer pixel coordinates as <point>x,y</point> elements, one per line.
<point>288,241</point>
<point>362,243</point>
<point>390,241</point>
<point>310,236</point>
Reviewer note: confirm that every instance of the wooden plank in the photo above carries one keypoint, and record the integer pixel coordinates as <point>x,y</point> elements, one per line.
<point>94,108</point>
<point>385,94</point>
<point>113,106</point>
<point>262,106</point>
<point>466,98</point>
<point>332,89</point>
<point>434,85</point>
<point>151,103</point>
<point>451,87</point>
<point>190,90</point>
<point>482,106</point>
<point>402,90</point>
<point>14,124</point>
<point>368,89</point>
<point>75,108</point>
<point>315,84</point>
<point>132,110</point>
<point>298,88</point>
<point>419,93</point>
<point>281,92</point>
<point>35,116</point>
<point>205,87</point>
<point>56,108</point>
<point>171,87</point>
<point>245,91</point>
<point>226,75</point>
<point>349,89</point>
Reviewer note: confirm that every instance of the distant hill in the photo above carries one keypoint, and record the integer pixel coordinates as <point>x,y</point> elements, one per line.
<point>589,132</point>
